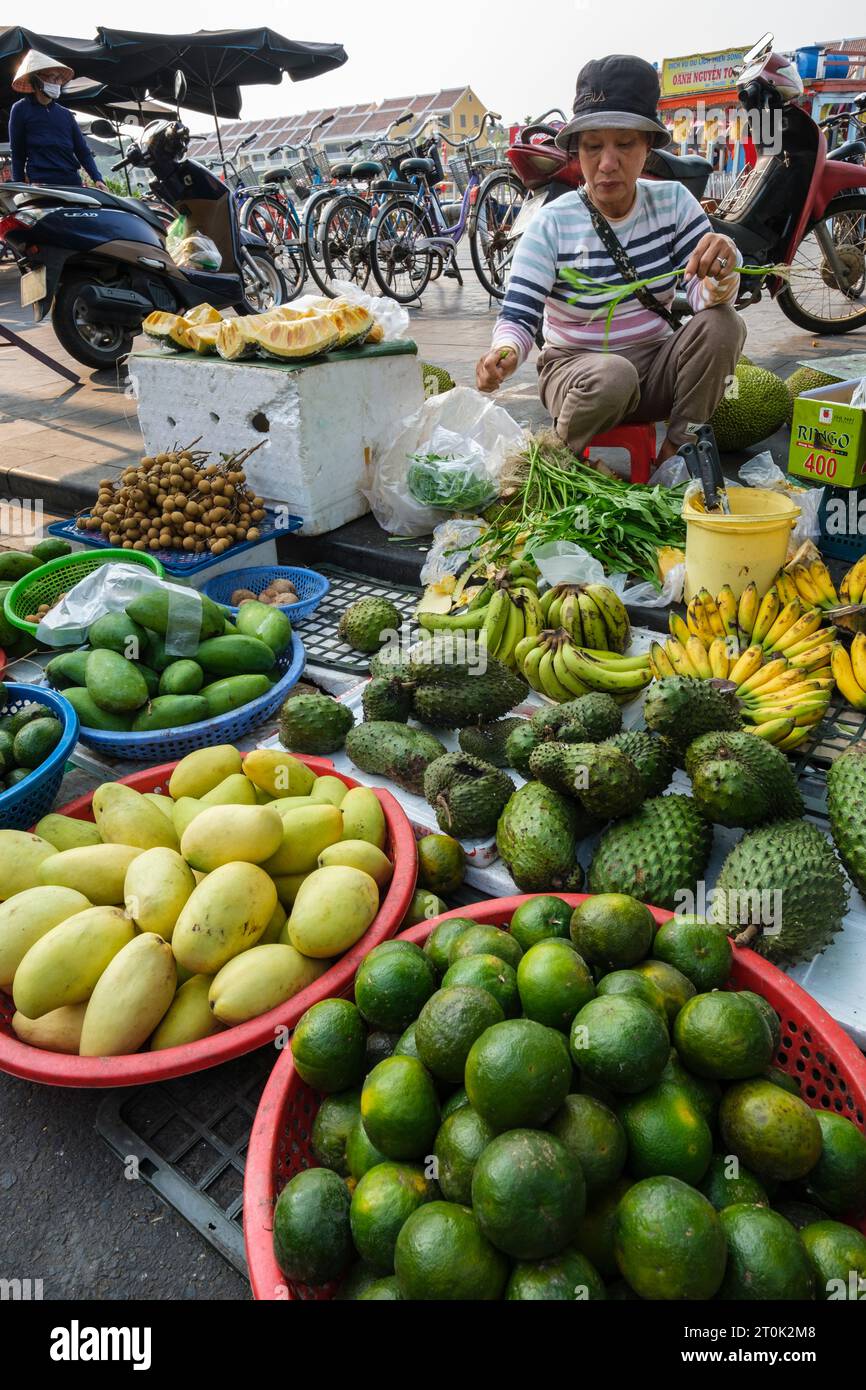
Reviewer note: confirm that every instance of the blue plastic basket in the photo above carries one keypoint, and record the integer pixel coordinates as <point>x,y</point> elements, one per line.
<point>309,586</point>
<point>846,545</point>
<point>164,744</point>
<point>25,804</point>
<point>179,562</point>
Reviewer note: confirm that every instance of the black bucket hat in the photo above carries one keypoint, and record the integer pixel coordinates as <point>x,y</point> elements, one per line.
<point>618,91</point>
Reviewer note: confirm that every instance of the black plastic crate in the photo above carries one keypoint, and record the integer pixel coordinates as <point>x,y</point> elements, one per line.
<point>324,647</point>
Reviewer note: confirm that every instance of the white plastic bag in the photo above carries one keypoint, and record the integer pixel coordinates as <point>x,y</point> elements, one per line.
<point>195,252</point>
<point>474,422</point>
<point>859,397</point>
<point>109,589</point>
<point>393,317</point>
<point>453,543</point>
<point>762,471</point>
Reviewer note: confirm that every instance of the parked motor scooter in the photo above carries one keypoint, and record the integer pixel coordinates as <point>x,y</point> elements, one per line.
<point>99,262</point>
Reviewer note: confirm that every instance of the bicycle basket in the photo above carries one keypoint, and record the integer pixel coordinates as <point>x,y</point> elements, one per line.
<point>392,149</point>
<point>458,169</point>
<point>300,173</point>
<point>321,162</point>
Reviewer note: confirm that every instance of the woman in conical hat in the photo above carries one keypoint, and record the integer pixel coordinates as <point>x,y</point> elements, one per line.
<point>46,142</point>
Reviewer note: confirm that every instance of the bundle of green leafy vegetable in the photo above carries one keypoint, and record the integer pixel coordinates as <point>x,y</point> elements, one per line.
<point>552,496</point>
<point>454,485</point>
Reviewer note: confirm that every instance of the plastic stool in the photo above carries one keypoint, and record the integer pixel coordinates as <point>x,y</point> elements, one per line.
<point>638,440</point>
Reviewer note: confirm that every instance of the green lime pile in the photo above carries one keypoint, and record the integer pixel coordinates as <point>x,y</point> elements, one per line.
<point>575,1108</point>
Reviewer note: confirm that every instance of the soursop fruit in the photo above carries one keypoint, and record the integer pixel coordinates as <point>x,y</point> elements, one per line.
<point>393,750</point>
<point>760,407</point>
<point>806,379</point>
<point>654,855</point>
<point>738,779</point>
<point>488,741</point>
<point>846,807</point>
<point>450,695</point>
<point>520,745</point>
<point>386,698</point>
<point>605,782</point>
<point>363,625</point>
<point>680,708</point>
<point>314,724</point>
<point>436,380</point>
<point>467,794</point>
<point>588,719</point>
<point>537,838</point>
<point>652,756</point>
<point>782,891</point>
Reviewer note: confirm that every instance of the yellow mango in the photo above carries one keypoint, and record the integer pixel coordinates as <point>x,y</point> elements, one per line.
<point>225,915</point>
<point>26,917</point>
<point>67,832</point>
<point>359,854</point>
<point>189,1018</point>
<point>201,771</point>
<point>59,1031</point>
<point>287,886</point>
<point>185,810</point>
<point>363,817</point>
<point>259,980</point>
<point>97,871</point>
<point>272,931</point>
<point>231,835</point>
<point>304,834</point>
<point>20,857</point>
<point>161,802</point>
<point>157,885</point>
<point>284,804</point>
<point>278,773</point>
<point>329,789</point>
<point>63,966</point>
<point>263,798</point>
<point>333,909</point>
<point>124,817</point>
<point>131,996</point>
<point>235,790</point>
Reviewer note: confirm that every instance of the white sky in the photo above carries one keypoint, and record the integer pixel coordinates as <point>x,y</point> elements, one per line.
<point>519,57</point>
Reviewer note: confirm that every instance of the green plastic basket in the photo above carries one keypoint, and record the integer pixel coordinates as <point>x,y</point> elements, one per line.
<point>57,576</point>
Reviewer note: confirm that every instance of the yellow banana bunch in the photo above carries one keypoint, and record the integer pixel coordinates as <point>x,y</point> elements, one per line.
<point>850,671</point>
<point>811,582</point>
<point>853,586</point>
<point>556,666</point>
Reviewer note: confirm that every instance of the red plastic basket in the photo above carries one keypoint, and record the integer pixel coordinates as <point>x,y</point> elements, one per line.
<point>813,1048</point>
<point>60,1069</point>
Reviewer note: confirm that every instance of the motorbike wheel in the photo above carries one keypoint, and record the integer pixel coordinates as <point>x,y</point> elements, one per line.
<point>492,242</point>
<point>96,345</point>
<point>813,299</point>
<point>272,292</point>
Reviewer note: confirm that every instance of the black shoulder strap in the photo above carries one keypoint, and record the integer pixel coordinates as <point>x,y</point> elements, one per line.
<point>618,254</point>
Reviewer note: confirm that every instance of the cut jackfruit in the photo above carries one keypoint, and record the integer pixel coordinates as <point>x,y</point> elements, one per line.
<point>159,326</point>
<point>307,337</point>
<point>234,339</point>
<point>352,321</point>
<point>202,338</point>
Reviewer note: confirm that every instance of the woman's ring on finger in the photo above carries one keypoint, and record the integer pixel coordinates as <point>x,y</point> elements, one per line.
<point>722,260</point>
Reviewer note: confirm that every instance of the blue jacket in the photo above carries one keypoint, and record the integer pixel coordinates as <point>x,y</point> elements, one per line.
<point>47,144</point>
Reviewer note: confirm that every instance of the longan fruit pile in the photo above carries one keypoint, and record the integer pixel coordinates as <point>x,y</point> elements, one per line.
<point>178,501</point>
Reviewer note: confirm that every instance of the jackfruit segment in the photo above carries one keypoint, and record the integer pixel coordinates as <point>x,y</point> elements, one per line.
<point>202,313</point>
<point>202,338</point>
<point>159,325</point>
<point>293,340</point>
<point>352,321</point>
<point>234,338</point>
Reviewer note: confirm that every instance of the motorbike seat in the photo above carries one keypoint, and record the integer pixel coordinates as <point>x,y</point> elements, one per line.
<point>367,169</point>
<point>136,205</point>
<point>678,166</point>
<point>424,167</point>
<point>852,152</point>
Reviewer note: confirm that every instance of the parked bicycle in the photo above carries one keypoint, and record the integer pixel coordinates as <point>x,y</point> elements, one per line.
<point>411,238</point>
<point>267,210</point>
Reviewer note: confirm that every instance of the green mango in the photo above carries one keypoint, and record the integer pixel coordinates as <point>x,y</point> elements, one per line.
<point>90,714</point>
<point>181,678</point>
<point>114,683</point>
<point>170,712</point>
<point>8,631</point>
<point>235,656</point>
<point>268,624</point>
<point>14,564</point>
<point>152,610</point>
<point>119,633</point>
<point>68,668</point>
<point>52,548</point>
<point>232,692</point>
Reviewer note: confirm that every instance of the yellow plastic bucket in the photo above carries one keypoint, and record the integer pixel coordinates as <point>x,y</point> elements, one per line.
<point>748,546</point>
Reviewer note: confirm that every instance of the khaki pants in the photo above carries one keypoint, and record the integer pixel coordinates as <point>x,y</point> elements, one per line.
<point>680,379</point>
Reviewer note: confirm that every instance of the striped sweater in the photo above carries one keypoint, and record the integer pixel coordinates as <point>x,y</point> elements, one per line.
<point>659,234</point>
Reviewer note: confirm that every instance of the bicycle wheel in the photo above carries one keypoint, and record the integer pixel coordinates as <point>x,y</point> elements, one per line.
<point>401,266</point>
<point>345,252</point>
<point>266,216</point>
<point>491,241</point>
<point>314,215</point>
<point>813,298</point>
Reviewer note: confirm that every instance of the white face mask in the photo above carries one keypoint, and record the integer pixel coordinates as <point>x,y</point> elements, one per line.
<point>52,89</point>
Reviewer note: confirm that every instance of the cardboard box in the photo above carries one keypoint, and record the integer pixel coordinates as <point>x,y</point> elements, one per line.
<point>828,437</point>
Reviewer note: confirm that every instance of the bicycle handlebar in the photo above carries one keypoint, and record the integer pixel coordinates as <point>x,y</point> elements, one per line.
<point>489,118</point>
<point>400,120</point>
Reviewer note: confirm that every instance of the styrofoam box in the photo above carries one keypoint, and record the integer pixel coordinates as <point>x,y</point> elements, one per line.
<point>316,425</point>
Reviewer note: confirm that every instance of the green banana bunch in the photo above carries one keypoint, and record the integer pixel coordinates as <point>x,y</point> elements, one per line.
<point>555,666</point>
<point>593,615</point>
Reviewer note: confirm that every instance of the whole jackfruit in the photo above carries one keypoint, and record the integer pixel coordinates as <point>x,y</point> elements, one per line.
<point>488,741</point>
<point>846,807</point>
<point>393,750</point>
<point>760,407</point>
<point>806,379</point>
<point>682,707</point>
<point>738,779</point>
<point>467,794</point>
<point>654,855</point>
<point>652,756</point>
<point>314,724</point>
<point>365,624</point>
<point>588,719</point>
<point>782,891</point>
<point>605,782</point>
<point>537,838</point>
